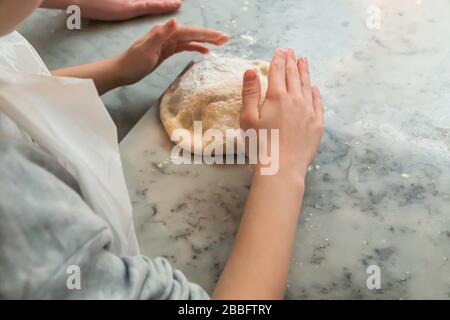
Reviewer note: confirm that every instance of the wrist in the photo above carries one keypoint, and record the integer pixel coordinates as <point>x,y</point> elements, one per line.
<point>106,75</point>
<point>116,72</point>
<point>120,66</point>
<point>288,178</point>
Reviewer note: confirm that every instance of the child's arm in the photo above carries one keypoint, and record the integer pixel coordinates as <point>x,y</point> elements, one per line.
<point>161,42</point>
<point>114,10</point>
<point>104,73</point>
<point>259,262</point>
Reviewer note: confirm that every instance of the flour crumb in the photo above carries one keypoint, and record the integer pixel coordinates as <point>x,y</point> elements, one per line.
<point>245,8</point>
<point>248,39</point>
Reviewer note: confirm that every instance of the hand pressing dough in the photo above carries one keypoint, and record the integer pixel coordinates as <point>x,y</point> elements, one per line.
<point>211,92</point>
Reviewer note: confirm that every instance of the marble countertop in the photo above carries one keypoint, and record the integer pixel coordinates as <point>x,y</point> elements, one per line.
<point>379,190</point>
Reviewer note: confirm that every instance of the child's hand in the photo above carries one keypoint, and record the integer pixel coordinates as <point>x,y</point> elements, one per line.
<point>258,265</point>
<point>160,43</point>
<point>114,10</point>
<point>292,105</point>
<point>145,55</point>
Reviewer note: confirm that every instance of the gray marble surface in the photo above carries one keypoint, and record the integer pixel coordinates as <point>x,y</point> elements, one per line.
<point>379,190</point>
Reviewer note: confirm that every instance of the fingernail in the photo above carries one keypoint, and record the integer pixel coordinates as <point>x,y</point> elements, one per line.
<point>223,37</point>
<point>291,53</point>
<point>171,23</point>
<point>249,75</point>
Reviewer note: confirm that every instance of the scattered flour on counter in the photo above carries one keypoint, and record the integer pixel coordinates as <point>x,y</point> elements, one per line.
<point>164,163</point>
<point>248,39</point>
<point>245,7</point>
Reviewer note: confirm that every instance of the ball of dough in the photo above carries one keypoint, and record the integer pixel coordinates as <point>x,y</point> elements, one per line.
<point>210,91</point>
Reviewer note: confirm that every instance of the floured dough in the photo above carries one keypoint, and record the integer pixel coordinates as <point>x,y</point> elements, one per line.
<point>211,92</point>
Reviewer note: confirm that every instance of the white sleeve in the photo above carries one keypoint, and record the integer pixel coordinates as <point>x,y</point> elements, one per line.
<point>46,227</point>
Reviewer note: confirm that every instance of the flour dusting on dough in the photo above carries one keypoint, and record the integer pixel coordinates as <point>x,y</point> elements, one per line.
<point>212,71</point>
<point>210,92</point>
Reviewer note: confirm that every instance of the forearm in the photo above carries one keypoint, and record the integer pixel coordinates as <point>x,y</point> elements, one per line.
<point>103,73</point>
<point>58,4</point>
<point>258,265</point>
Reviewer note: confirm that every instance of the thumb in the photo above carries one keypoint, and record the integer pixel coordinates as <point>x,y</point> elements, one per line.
<point>251,95</point>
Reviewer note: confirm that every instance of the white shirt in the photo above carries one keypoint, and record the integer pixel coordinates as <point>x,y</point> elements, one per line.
<point>66,118</point>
